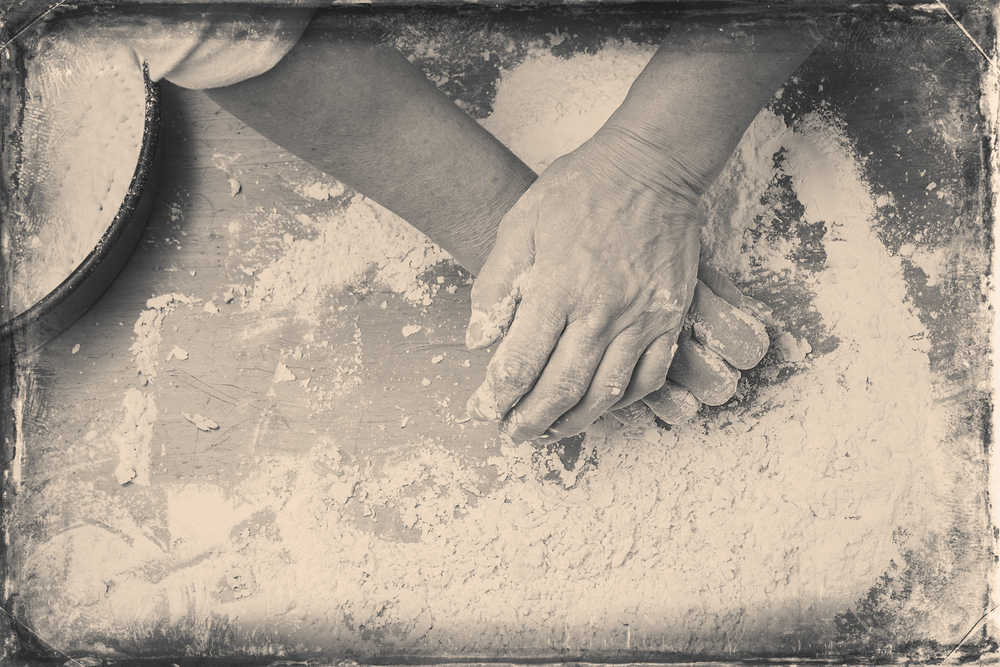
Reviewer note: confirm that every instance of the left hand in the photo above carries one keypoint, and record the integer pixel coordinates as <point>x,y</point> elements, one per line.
<point>600,267</point>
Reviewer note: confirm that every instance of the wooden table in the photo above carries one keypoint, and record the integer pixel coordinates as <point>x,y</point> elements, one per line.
<point>175,423</point>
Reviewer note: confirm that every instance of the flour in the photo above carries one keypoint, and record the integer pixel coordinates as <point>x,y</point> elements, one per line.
<point>754,524</point>
<point>82,133</point>
<point>148,336</point>
<point>788,348</point>
<point>547,86</point>
<point>282,374</point>
<point>333,250</point>
<point>133,437</point>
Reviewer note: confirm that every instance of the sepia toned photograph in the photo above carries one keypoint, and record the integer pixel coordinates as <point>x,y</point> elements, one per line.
<point>441,332</point>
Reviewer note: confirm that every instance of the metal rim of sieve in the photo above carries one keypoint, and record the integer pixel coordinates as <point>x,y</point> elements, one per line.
<point>53,313</point>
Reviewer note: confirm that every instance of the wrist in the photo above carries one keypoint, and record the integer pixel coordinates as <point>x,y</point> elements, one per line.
<point>634,156</point>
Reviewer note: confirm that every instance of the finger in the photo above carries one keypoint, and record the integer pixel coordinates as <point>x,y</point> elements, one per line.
<point>672,403</point>
<point>736,336</point>
<point>606,387</point>
<point>519,359</point>
<point>651,371</point>
<point>568,375</point>
<point>724,288</point>
<point>633,414</point>
<point>704,373</point>
<point>497,290</point>
<point>720,283</point>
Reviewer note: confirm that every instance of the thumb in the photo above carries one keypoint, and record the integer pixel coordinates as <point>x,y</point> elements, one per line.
<point>497,289</point>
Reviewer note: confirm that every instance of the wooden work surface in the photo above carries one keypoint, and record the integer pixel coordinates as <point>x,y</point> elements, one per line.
<point>189,250</point>
<point>215,381</point>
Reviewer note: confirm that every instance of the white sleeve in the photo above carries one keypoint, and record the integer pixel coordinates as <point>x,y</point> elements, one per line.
<point>209,48</point>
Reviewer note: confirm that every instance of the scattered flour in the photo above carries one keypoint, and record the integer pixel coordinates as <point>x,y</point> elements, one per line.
<point>547,86</point>
<point>336,249</point>
<point>133,435</point>
<point>751,525</point>
<point>146,348</point>
<point>282,374</point>
<point>321,191</point>
<point>203,423</point>
<point>789,349</point>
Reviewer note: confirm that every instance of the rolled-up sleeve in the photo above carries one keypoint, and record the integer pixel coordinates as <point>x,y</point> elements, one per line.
<point>202,47</point>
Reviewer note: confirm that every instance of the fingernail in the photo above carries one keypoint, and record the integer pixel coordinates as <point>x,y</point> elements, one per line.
<point>477,333</point>
<point>474,335</point>
<point>483,406</point>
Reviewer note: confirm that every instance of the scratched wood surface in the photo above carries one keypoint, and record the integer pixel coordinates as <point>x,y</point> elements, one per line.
<point>229,376</point>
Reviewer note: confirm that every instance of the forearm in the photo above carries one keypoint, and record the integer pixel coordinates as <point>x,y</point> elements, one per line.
<point>360,112</point>
<point>686,112</point>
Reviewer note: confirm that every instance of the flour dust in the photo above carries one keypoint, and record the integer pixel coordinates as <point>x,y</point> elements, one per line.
<point>755,524</point>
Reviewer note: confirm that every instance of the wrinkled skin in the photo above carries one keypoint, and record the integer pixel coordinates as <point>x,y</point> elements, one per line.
<point>605,269</point>
<point>594,268</point>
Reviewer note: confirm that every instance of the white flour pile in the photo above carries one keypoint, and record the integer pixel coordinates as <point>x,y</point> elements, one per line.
<point>82,133</point>
<point>751,526</point>
<point>331,250</point>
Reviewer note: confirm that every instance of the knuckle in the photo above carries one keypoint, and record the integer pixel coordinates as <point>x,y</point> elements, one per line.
<point>564,393</point>
<point>658,357</point>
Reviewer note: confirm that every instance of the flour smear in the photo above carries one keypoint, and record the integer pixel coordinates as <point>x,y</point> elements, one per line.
<point>750,528</point>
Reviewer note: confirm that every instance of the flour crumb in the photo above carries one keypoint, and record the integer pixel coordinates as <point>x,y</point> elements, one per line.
<point>211,308</point>
<point>321,191</point>
<point>235,187</point>
<point>438,359</point>
<point>76,348</point>
<point>203,423</point>
<point>177,353</point>
<point>411,329</point>
<point>164,300</point>
<point>791,350</point>
<point>282,374</point>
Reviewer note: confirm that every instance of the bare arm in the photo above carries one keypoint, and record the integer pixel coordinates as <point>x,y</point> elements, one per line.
<point>363,114</point>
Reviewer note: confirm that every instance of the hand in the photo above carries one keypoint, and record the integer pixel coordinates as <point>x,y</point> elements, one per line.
<point>600,267</point>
